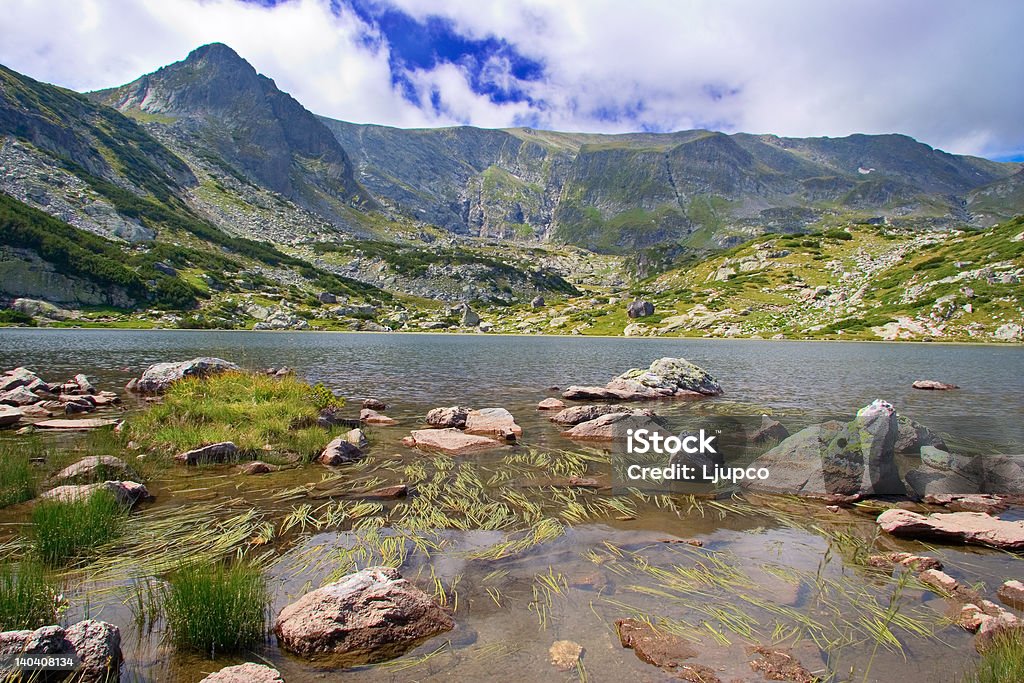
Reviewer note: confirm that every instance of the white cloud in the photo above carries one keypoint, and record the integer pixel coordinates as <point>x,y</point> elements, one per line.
<point>944,71</point>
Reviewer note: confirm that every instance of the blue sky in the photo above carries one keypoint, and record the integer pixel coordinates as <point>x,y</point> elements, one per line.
<point>944,71</point>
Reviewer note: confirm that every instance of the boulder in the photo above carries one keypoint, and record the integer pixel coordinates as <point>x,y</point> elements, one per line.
<point>95,468</point>
<point>537,302</point>
<point>496,422</point>
<point>340,451</point>
<point>225,451</point>
<point>372,417</point>
<point>470,318</point>
<point>20,396</point>
<point>665,378</point>
<point>1002,474</point>
<point>770,430</point>
<point>374,404</point>
<point>452,416</point>
<point>83,384</point>
<point>95,644</point>
<point>613,427</point>
<point>639,308</point>
<point>1012,593</point>
<point>577,414</point>
<point>369,616</point>
<point>357,437</point>
<point>836,459</point>
<point>933,385</point>
<point>128,493</point>
<point>157,378</point>
<point>976,528</point>
<point>450,440</point>
<point>245,673</point>
<point>550,404</point>
<point>913,436</point>
<point>10,416</point>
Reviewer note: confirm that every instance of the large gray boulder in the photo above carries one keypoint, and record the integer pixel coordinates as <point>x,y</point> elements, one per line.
<point>127,493</point>
<point>95,644</point>
<point>158,378</point>
<point>369,616</point>
<point>577,414</point>
<point>665,378</point>
<point>836,459</point>
<point>451,416</point>
<point>639,309</point>
<point>341,451</point>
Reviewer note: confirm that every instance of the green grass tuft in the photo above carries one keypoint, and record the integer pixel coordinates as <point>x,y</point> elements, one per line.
<point>68,530</point>
<point>27,598</point>
<point>216,608</point>
<point>1002,662</point>
<point>17,475</point>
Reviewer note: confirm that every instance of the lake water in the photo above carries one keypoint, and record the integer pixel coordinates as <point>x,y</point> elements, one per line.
<point>790,558</point>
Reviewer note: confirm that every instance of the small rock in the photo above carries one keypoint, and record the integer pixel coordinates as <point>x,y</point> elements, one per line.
<point>664,650</point>
<point>245,673</point>
<point>565,654</point>
<point>256,467</point>
<point>770,430</point>
<point>551,404</point>
<point>933,385</point>
<point>914,562</point>
<point>340,451</point>
<point>374,404</point>
<point>452,416</point>
<point>780,665</point>
<point>372,417</point>
<point>83,384</point>
<point>224,451</point>
<point>496,422</point>
<point>1012,593</point>
<point>357,437</point>
<point>95,468</point>
<point>128,493</point>
<point>387,492</point>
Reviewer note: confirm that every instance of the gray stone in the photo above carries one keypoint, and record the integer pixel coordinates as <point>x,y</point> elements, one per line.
<point>95,644</point>
<point>665,378</point>
<point>225,451</point>
<point>577,414</point>
<point>912,436</point>
<point>18,397</point>
<point>95,468</point>
<point>770,430</point>
<point>451,416</point>
<point>245,673</point>
<point>340,452</point>
<point>537,302</point>
<point>128,493</point>
<point>157,378</point>
<point>639,309</point>
<point>10,415</point>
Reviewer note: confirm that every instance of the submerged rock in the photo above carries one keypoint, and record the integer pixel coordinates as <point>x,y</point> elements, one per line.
<point>664,650</point>
<point>933,385</point>
<point>577,414</point>
<point>372,417</point>
<point>369,616</point>
<point>778,664</point>
<point>256,467</point>
<point>614,427</point>
<point>452,441</point>
<point>550,404</point>
<point>159,377</point>
<point>665,378</point>
<point>770,430</point>
<point>95,644</point>
<point>245,673</point>
<point>225,451</point>
<point>965,527</point>
<point>565,654</point>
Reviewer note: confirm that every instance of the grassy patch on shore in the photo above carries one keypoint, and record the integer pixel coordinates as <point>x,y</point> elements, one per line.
<point>68,530</point>
<point>250,410</point>
<point>17,475</point>
<point>1002,662</point>
<point>28,599</point>
<point>216,608</point>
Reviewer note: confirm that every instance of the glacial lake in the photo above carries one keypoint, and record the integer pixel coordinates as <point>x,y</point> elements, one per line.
<point>771,568</point>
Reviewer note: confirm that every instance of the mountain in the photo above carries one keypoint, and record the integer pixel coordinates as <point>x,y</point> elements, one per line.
<point>615,193</point>
<point>203,195</point>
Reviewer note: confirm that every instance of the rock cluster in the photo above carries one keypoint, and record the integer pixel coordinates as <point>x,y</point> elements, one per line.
<point>665,378</point>
<point>23,394</point>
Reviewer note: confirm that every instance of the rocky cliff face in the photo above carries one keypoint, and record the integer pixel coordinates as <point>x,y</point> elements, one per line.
<point>213,102</point>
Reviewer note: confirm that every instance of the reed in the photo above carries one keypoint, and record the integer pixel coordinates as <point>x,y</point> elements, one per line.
<point>28,599</point>
<point>65,531</point>
<point>1002,662</point>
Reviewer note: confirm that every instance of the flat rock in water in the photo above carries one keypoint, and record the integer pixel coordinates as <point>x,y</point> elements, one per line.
<point>225,451</point>
<point>496,422</point>
<point>10,415</point>
<point>966,527</point>
<point>369,616</point>
<point>84,423</point>
<point>386,492</point>
<point>1012,593</point>
<point>612,427</point>
<point>550,404</point>
<point>374,404</point>
<point>664,650</point>
<point>372,417</point>
<point>452,441</point>
<point>245,673</point>
<point>577,414</point>
<point>933,385</point>
<point>128,493</point>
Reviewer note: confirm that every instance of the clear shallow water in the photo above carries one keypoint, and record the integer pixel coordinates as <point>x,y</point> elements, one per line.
<point>801,382</point>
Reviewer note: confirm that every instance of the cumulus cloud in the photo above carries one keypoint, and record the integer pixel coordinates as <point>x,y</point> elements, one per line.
<point>943,71</point>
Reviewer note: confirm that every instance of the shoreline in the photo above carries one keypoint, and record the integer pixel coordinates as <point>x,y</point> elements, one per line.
<point>997,344</point>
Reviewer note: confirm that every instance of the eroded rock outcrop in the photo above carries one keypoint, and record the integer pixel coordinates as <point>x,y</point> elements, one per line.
<point>159,377</point>
<point>665,378</point>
